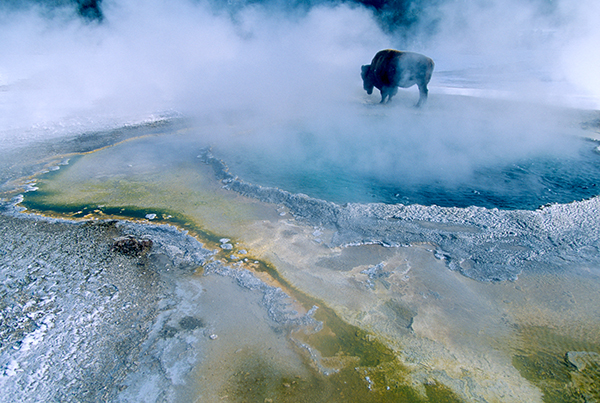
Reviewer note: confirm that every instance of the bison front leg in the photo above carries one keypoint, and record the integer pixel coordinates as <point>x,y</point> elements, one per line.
<point>388,92</point>
<point>384,95</point>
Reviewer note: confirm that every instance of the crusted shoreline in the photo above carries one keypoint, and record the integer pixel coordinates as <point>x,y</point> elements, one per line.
<point>480,243</point>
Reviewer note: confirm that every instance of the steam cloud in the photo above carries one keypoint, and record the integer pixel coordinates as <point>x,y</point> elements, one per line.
<point>242,71</point>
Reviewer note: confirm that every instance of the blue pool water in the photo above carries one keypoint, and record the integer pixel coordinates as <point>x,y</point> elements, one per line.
<point>526,183</point>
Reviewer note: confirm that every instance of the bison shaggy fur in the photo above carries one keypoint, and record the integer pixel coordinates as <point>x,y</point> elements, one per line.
<point>391,69</point>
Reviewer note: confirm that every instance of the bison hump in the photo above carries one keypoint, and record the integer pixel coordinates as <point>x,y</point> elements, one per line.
<point>385,65</point>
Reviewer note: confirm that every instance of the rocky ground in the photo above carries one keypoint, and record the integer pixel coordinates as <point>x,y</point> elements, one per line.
<point>110,310</point>
<point>81,317</point>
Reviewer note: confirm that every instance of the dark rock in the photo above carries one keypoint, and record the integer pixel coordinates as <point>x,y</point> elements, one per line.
<point>167,332</point>
<point>583,359</point>
<point>190,323</point>
<point>132,246</point>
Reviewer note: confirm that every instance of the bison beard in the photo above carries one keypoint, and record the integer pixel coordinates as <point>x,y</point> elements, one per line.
<point>391,69</point>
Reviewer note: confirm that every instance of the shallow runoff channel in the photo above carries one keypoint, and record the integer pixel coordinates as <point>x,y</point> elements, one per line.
<point>267,295</point>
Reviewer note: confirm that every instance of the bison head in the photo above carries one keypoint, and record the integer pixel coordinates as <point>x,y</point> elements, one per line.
<point>367,82</point>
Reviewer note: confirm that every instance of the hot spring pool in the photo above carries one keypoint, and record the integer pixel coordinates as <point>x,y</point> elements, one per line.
<point>379,267</point>
<point>456,152</point>
<point>524,183</point>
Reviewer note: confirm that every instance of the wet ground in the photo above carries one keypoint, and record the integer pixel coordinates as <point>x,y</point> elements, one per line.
<point>167,279</point>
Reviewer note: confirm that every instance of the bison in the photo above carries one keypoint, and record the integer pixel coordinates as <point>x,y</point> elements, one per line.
<point>391,69</point>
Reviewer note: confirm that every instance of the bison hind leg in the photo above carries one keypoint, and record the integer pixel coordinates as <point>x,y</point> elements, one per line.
<point>422,94</point>
<point>393,91</point>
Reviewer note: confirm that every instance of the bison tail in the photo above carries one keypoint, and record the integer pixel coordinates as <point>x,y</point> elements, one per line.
<point>429,70</point>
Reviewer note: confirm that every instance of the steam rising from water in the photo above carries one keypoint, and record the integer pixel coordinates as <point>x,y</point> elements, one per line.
<point>242,72</point>
<point>285,86</point>
<point>179,55</point>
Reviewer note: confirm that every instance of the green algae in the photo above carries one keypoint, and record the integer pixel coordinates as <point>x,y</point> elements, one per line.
<point>256,381</point>
<point>338,338</point>
<point>544,361</point>
<point>35,204</point>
